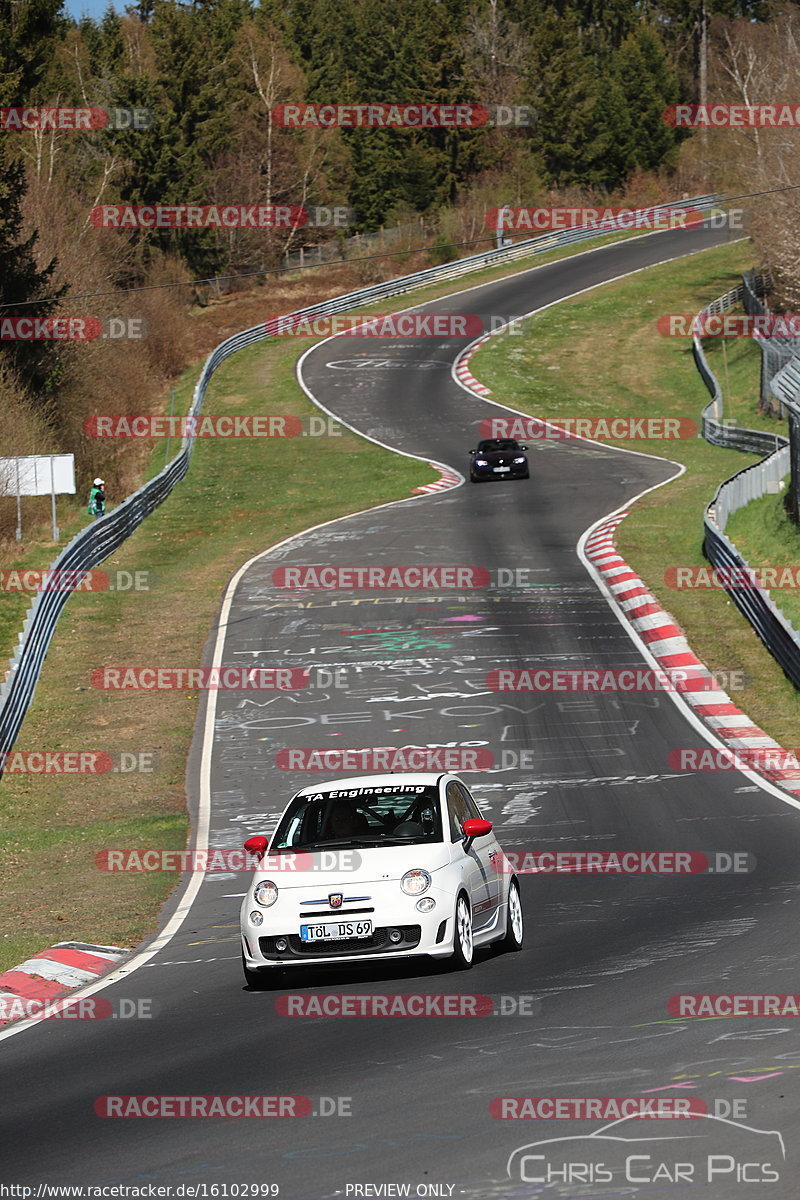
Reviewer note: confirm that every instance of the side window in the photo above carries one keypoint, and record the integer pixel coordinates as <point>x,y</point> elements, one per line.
<point>457,810</point>
<point>472,808</point>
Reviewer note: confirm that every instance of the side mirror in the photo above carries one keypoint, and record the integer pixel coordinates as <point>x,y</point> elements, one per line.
<point>473,451</point>
<point>523,447</point>
<point>475,827</point>
<point>256,845</point>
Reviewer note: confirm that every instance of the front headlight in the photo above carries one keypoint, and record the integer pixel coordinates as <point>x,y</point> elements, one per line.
<point>415,882</point>
<point>266,893</point>
<point>481,462</point>
<point>519,460</point>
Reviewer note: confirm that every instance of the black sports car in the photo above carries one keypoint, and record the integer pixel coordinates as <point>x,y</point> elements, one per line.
<point>499,458</point>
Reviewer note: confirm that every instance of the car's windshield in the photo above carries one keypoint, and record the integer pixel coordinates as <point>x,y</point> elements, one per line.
<point>486,447</point>
<point>403,814</point>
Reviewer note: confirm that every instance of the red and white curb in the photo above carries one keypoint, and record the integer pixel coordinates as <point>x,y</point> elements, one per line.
<point>463,373</point>
<point>664,640</point>
<point>447,479</point>
<point>57,971</point>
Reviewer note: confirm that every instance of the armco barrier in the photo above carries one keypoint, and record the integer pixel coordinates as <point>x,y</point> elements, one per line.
<point>775,630</point>
<point>106,534</point>
<point>713,428</point>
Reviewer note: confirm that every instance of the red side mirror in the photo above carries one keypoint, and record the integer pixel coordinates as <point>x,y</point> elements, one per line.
<point>258,846</point>
<point>476,827</point>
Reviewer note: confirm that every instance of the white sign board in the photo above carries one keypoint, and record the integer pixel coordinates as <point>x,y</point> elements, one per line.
<point>37,475</point>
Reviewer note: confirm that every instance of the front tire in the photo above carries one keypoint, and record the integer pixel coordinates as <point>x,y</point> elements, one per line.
<point>515,929</point>
<point>463,945</point>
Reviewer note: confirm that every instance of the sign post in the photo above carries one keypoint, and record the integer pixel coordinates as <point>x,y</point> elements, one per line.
<point>38,475</point>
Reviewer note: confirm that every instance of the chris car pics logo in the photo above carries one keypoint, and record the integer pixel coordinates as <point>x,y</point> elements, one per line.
<point>714,1150</point>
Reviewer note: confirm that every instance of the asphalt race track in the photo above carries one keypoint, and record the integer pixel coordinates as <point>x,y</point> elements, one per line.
<point>603,954</point>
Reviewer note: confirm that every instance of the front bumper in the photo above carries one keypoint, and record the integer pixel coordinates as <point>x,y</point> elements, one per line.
<point>419,934</point>
<point>519,471</point>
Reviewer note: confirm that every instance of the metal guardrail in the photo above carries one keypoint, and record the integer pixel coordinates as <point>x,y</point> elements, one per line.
<point>713,427</point>
<point>93,544</point>
<point>755,603</point>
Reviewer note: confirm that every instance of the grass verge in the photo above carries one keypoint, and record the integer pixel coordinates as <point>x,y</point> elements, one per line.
<point>766,537</point>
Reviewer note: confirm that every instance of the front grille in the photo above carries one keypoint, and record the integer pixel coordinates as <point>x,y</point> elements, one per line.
<point>377,943</point>
<point>335,912</point>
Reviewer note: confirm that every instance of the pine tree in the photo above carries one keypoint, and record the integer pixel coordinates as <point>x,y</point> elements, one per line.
<point>566,96</point>
<point>648,85</point>
<point>22,281</point>
<point>29,30</point>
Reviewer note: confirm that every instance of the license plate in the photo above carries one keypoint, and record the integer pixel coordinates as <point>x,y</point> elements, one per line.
<point>501,468</point>
<point>335,931</point>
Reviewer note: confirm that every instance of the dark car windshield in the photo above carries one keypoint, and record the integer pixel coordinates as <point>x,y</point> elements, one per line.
<point>368,816</point>
<point>494,444</point>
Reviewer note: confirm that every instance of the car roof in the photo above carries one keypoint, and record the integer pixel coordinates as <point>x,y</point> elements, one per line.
<point>386,778</point>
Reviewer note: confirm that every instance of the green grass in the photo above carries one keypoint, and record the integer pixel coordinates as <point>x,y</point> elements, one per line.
<point>736,362</point>
<point>765,536</point>
<point>600,355</point>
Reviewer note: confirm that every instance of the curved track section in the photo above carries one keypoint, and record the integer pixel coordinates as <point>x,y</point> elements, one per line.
<point>603,954</point>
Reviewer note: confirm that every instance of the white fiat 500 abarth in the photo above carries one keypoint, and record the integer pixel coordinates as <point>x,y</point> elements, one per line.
<point>377,867</point>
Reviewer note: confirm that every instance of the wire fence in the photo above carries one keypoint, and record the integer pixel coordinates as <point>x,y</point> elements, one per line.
<point>343,249</point>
